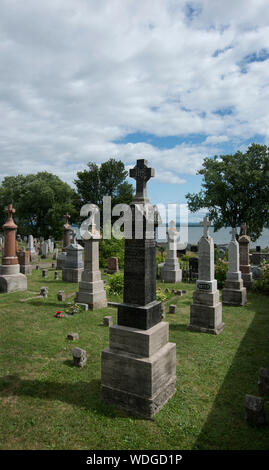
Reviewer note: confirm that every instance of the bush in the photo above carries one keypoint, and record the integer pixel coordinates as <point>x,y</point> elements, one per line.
<point>115,284</point>
<point>221,269</point>
<point>262,284</point>
<point>160,296</point>
<point>111,247</point>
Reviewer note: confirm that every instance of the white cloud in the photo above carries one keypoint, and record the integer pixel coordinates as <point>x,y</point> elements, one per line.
<point>76,76</point>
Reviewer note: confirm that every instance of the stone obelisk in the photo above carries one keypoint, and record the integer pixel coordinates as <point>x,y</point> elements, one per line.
<point>10,277</point>
<point>139,366</point>
<point>234,293</point>
<point>206,310</point>
<point>244,263</point>
<point>171,271</point>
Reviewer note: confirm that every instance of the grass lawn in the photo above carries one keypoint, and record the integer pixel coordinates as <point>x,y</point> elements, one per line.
<point>47,403</point>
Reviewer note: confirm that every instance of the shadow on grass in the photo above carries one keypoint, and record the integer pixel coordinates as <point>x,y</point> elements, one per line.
<point>225,427</point>
<point>82,394</point>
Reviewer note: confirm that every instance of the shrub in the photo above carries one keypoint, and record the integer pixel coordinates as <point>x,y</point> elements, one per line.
<point>160,296</point>
<point>262,284</point>
<point>115,284</point>
<point>221,269</point>
<point>111,247</point>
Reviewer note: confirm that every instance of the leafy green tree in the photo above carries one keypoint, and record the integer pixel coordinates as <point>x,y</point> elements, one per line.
<point>107,180</point>
<point>40,201</point>
<point>235,189</point>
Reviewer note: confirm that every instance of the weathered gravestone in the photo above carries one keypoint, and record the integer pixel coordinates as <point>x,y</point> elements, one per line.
<point>206,310</point>
<point>44,249</point>
<point>138,370</point>
<point>234,293</point>
<point>171,271</point>
<point>31,248</point>
<point>73,266</point>
<point>112,265</point>
<point>244,263</point>
<point>24,261</point>
<point>10,277</point>
<point>91,287</point>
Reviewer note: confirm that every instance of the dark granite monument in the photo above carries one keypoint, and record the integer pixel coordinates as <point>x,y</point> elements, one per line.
<point>139,366</point>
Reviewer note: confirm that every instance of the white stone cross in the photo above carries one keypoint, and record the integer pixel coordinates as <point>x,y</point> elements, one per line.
<point>206,224</point>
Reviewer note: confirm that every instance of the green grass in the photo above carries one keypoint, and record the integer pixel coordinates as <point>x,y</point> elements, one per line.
<point>47,403</point>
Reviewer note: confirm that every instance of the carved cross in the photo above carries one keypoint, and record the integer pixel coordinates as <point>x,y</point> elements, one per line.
<point>233,233</point>
<point>9,210</point>
<point>141,173</point>
<point>206,224</point>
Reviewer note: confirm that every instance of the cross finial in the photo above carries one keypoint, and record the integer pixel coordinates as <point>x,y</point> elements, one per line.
<point>244,228</point>
<point>233,233</point>
<point>9,210</point>
<point>206,224</point>
<point>141,173</point>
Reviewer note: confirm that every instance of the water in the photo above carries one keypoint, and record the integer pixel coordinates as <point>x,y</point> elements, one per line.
<point>222,236</point>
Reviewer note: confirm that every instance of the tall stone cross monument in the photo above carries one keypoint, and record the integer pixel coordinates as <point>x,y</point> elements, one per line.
<point>206,310</point>
<point>234,293</point>
<point>139,366</point>
<point>10,277</point>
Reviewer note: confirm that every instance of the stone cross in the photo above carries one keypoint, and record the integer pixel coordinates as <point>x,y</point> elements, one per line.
<point>233,233</point>
<point>206,224</point>
<point>141,173</point>
<point>9,210</point>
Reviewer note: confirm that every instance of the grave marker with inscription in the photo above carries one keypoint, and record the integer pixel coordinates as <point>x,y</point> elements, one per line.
<point>139,366</point>
<point>206,310</point>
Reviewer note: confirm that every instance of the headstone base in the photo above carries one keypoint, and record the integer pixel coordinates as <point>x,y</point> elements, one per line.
<point>206,318</point>
<point>171,276</point>
<point>234,293</point>
<point>11,280</point>
<point>71,275</point>
<point>94,300</point>
<point>139,369</point>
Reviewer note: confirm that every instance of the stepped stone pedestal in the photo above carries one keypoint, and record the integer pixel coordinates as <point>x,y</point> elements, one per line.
<point>234,293</point>
<point>11,279</point>
<point>206,310</point>
<point>138,370</point>
<point>91,287</point>
<point>171,271</point>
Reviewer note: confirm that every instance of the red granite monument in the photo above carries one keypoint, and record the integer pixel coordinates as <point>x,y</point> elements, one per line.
<point>10,277</point>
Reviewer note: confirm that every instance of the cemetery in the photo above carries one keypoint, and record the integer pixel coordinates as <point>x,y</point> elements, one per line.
<point>134,355</point>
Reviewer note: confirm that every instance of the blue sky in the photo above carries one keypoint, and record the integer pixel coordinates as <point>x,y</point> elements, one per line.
<point>171,81</point>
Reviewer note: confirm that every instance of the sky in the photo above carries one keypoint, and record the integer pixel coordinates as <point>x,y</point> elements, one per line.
<point>170,81</point>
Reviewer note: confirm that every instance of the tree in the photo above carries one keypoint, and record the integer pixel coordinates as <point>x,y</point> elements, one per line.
<point>40,201</point>
<point>235,189</point>
<point>107,180</point>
